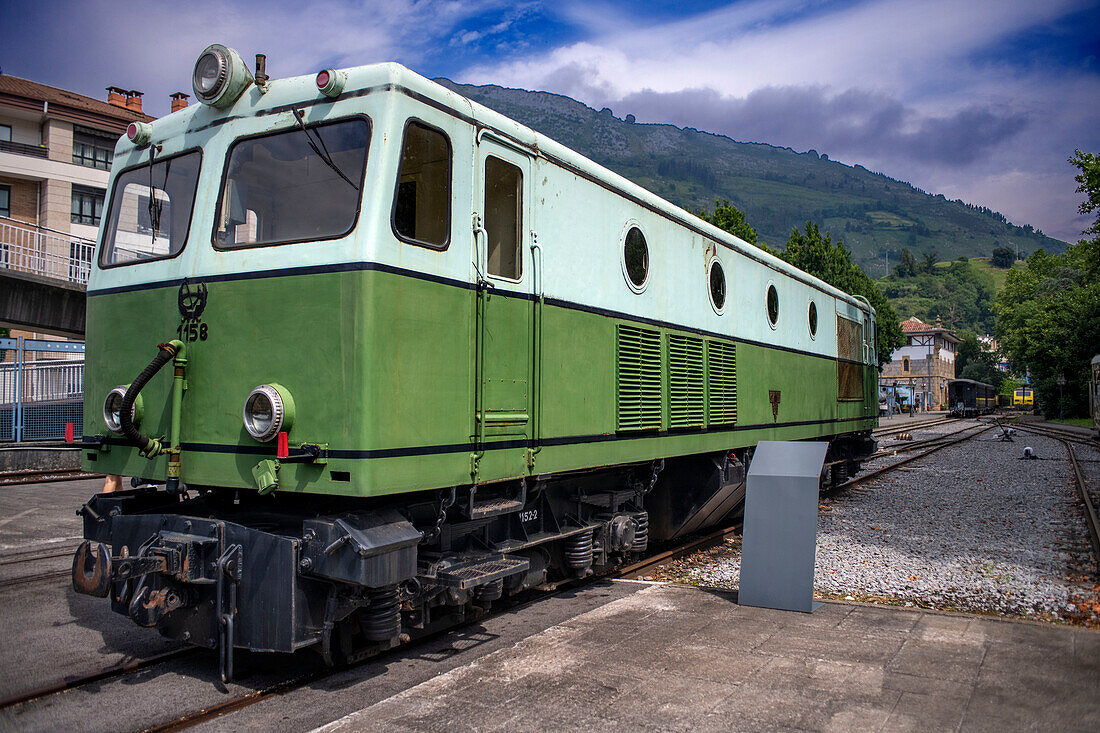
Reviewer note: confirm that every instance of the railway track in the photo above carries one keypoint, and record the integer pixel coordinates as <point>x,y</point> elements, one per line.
<point>917,444</point>
<point>1063,435</point>
<point>282,687</point>
<point>631,571</point>
<point>24,558</point>
<point>1091,518</point>
<point>931,445</point>
<point>35,578</point>
<point>233,704</point>
<point>895,429</point>
<point>15,478</point>
<point>117,670</point>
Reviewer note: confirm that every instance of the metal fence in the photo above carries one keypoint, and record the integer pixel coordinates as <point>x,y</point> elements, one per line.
<point>41,389</point>
<point>27,248</point>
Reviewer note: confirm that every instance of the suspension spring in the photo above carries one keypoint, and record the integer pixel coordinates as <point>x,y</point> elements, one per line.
<point>381,620</point>
<point>641,532</point>
<point>578,550</point>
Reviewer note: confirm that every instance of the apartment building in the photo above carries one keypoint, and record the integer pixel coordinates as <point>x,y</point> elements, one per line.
<point>55,151</point>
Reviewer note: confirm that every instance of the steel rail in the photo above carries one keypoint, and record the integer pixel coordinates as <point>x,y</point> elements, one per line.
<point>634,570</point>
<point>1055,433</point>
<point>892,429</point>
<point>16,559</point>
<point>897,464</point>
<point>17,478</point>
<point>117,670</point>
<point>35,577</point>
<point>1091,519</point>
<point>280,688</point>
<point>916,444</point>
<point>296,682</point>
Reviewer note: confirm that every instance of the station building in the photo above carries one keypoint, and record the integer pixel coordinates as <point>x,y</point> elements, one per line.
<point>925,364</point>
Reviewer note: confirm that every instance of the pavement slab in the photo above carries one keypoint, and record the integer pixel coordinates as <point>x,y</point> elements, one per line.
<point>672,657</point>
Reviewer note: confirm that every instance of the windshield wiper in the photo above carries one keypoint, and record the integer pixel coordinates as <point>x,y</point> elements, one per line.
<point>322,155</point>
<point>154,205</point>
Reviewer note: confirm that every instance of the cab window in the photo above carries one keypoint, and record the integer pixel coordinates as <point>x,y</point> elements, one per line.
<point>300,184</point>
<point>503,218</point>
<point>150,210</point>
<point>422,202</point>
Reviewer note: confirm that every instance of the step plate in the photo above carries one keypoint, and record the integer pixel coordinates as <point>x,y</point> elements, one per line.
<point>470,573</point>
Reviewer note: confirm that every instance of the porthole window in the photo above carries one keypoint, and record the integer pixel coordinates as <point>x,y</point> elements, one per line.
<point>717,286</point>
<point>813,319</point>
<point>636,259</point>
<point>773,305</point>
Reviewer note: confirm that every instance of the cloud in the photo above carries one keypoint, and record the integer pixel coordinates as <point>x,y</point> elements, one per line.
<point>857,122</point>
<point>154,48</point>
<point>931,92</point>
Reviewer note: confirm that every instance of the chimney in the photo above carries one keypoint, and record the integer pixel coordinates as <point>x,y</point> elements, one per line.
<point>116,96</point>
<point>133,100</point>
<point>179,101</point>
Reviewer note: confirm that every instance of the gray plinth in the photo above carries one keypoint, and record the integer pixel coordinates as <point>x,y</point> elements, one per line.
<point>780,530</point>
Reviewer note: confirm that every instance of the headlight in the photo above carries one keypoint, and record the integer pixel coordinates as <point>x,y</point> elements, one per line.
<point>220,76</point>
<point>112,409</point>
<point>268,411</point>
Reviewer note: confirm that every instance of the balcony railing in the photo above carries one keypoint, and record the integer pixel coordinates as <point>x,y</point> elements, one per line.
<point>36,151</point>
<point>27,248</point>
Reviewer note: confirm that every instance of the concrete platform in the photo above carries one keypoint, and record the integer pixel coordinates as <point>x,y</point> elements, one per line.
<point>897,421</point>
<point>672,657</point>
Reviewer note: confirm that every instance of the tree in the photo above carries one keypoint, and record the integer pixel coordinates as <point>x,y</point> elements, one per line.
<point>928,262</point>
<point>728,217</point>
<point>1003,257</point>
<point>907,264</point>
<point>832,262</point>
<point>974,362</point>
<point>1089,180</point>
<point>1048,313</point>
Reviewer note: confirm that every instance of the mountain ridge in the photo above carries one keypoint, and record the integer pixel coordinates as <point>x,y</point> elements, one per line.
<point>777,187</point>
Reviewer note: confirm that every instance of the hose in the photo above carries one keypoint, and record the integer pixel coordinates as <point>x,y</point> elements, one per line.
<point>146,445</point>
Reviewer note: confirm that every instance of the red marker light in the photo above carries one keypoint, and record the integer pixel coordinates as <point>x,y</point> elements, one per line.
<point>69,432</point>
<point>284,446</point>
<point>322,79</point>
<point>139,133</point>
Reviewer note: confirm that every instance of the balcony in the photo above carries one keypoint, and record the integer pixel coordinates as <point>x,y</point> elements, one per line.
<point>35,151</point>
<point>38,251</point>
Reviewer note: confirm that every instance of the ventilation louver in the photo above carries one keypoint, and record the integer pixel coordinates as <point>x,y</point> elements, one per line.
<point>638,378</point>
<point>722,382</point>
<point>686,382</point>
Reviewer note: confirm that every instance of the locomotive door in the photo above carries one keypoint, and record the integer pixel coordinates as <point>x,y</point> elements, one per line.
<point>503,358</point>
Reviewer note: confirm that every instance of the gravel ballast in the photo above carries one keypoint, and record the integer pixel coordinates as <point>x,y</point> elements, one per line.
<point>973,527</point>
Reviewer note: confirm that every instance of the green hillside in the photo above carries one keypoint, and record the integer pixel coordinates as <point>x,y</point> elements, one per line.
<point>961,293</point>
<point>777,188</point>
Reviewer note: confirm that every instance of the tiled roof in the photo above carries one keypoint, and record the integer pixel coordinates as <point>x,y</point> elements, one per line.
<point>916,325</point>
<point>910,325</point>
<point>62,103</point>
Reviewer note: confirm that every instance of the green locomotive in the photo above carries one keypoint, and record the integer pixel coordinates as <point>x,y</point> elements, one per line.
<point>470,361</point>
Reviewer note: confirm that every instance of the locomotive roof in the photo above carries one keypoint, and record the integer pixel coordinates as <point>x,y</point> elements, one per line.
<point>970,381</point>
<point>295,92</point>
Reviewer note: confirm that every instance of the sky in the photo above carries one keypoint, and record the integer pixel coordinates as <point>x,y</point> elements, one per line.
<point>975,99</point>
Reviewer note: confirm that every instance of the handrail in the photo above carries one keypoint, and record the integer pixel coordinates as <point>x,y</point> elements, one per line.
<point>32,249</point>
